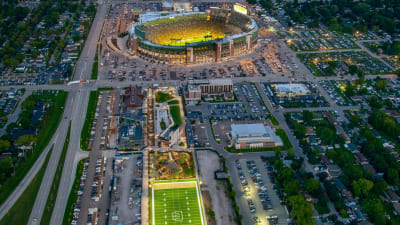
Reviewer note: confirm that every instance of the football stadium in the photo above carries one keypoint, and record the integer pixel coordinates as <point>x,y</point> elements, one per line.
<point>193,37</point>
<point>176,202</point>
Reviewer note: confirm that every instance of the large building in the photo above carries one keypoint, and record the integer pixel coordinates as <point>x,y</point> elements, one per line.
<point>216,35</point>
<point>288,90</point>
<point>246,136</point>
<point>209,88</point>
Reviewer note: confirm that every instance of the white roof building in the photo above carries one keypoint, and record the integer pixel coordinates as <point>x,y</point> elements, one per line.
<point>254,136</point>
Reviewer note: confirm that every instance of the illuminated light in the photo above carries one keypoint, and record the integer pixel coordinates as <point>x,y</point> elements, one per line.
<point>240,9</point>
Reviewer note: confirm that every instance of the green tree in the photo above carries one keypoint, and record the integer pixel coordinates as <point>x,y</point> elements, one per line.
<point>362,186</point>
<point>4,145</point>
<point>25,140</point>
<point>375,210</point>
<point>381,84</point>
<point>301,210</point>
<point>307,116</point>
<point>311,185</point>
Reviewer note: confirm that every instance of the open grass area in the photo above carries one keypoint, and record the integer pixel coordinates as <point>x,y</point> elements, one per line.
<point>20,212</point>
<point>173,102</point>
<point>163,97</point>
<point>274,121</point>
<point>176,114</point>
<point>95,68</point>
<point>73,195</point>
<point>47,129</point>
<point>51,199</point>
<point>87,126</point>
<point>105,89</point>
<point>286,143</point>
<point>176,203</point>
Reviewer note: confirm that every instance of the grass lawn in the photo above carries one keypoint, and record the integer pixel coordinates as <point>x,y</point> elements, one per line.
<point>51,199</point>
<point>95,68</point>
<point>173,102</point>
<point>21,210</point>
<point>163,97</point>
<point>48,128</point>
<point>274,121</point>
<point>105,89</point>
<point>73,195</point>
<point>87,126</point>
<point>176,114</point>
<point>176,203</point>
<point>286,143</point>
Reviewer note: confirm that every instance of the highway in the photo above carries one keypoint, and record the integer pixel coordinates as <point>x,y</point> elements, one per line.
<point>74,111</point>
<point>84,68</point>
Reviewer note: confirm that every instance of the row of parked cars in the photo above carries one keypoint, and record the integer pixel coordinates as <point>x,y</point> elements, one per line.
<point>98,178</point>
<point>262,190</point>
<point>77,205</point>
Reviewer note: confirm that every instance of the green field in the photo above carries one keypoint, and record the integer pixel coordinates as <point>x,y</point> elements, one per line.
<point>87,126</point>
<point>176,206</point>
<point>176,114</point>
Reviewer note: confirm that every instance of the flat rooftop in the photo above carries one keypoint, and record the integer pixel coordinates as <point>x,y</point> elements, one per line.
<point>292,88</point>
<point>212,82</point>
<point>253,129</point>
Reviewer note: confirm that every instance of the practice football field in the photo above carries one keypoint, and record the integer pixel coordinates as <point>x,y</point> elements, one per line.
<point>177,204</point>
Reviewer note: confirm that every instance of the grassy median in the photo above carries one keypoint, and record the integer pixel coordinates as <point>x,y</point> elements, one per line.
<point>87,126</point>
<point>73,195</point>
<point>21,210</point>
<point>95,68</point>
<point>51,199</point>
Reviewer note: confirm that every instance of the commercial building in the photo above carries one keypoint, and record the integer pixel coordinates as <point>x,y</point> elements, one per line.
<point>290,90</point>
<point>245,136</point>
<point>209,88</point>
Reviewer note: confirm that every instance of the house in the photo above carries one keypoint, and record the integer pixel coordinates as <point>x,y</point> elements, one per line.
<point>298,117</point>
<point>325,160</point>
<point>392,113</point>
<point>333,171</point>
<point>310,131</point>
<point>345,137</point>
<point>330,118</point>
<point>396,207</point>
<point>391,196</point>
<point>360,158</point>
<point>370,169</point>
<point>317,116</point>
<point>313,140</point>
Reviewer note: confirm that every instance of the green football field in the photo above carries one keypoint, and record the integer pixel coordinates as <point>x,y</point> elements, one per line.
<point>176,206</point>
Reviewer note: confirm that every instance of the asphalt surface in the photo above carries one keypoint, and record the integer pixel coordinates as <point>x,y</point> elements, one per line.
<point>83,69</point>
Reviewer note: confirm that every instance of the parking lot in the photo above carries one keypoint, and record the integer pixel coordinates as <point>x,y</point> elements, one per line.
<point>337,63</point>
<point>314,40</point>
<point>294,95</point>
<point>126,190</point>
<point>257,199</point>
